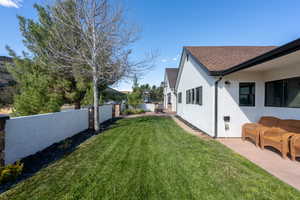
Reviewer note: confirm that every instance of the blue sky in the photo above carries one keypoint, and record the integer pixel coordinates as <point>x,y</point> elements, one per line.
<point>170,24</point>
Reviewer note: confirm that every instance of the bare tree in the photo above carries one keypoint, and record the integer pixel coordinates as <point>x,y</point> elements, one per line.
<point>93,35</point>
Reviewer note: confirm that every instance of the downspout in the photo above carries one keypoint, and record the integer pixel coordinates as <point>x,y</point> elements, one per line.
<point>175,93</point>
<point>216,106</point>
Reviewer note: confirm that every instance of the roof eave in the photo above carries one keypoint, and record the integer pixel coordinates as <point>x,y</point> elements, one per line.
<point>273,54</point>
<point>270,55</point>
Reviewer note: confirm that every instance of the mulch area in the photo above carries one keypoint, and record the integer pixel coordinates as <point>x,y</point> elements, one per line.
<point>41,159</point>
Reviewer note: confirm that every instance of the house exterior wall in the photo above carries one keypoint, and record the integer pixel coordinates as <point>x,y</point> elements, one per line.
<point>229,100</point>
<point>228,103</point>
<point>201,116</point>
<point>167,90</point>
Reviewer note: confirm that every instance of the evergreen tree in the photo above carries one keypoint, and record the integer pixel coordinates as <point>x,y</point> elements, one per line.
<point>71,84</point>
<point>36,92</point>
<point>135,98</point>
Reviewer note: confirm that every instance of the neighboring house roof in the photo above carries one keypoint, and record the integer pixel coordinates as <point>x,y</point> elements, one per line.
<point>222,60</point>
<point>125,92</point>
<point>172,76</point>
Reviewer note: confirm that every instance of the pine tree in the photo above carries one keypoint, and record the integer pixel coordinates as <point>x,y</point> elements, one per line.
<point>36,92</point>
<point>71,85</point>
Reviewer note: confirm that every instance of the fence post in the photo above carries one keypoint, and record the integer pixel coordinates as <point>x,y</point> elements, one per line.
<point>91,118</point>
<point>3,119</point>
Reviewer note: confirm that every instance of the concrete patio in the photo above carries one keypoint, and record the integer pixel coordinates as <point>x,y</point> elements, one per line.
<point>284,169</point>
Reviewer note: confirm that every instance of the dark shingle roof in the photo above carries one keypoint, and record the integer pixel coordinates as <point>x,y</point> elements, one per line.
<point>172,76</point>
<point>219,58</point>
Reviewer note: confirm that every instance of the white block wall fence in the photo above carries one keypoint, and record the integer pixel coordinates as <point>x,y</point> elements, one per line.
<point>24,136</point>
<point>105,113</point>
<point>147,107</point>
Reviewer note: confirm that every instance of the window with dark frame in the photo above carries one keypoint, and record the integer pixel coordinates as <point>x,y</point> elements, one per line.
<point>193,96</point>
<point>179,97</point>
<point>283,93</point>
<point>169,98</point>
<point>247,94</point>
<point>199,95</point>
<point>187,97</point>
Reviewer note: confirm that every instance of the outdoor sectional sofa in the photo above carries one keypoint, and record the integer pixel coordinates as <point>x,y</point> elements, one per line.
<point>283,135</point>
<point>253,130</point>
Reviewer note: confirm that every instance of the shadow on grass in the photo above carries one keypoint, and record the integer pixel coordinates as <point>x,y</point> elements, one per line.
<point>53,153</point>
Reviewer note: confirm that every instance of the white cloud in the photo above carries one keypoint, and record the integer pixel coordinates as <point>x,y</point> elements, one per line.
<point>11,3</point>
<point>163,60</point>
<point>176,58</point>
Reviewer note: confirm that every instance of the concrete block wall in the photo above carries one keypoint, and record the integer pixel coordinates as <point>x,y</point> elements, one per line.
<point>24,136</point>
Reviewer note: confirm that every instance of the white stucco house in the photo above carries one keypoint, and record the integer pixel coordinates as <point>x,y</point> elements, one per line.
<point>170,101</point>
<point>219,88</point>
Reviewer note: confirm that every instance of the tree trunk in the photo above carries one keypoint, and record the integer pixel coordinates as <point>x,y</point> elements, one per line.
<point>96,103</point>
<point>77,105</point>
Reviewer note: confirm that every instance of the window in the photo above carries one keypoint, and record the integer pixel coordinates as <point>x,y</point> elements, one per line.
<point>247,94</point>
<point>187,97</point>
<point>274,93</point>
<point>193,96</point>
<point>283,93</point>
<point>292,93</point>
<point>199,95</point>
<point>179,97</point>
<point>169,98</point>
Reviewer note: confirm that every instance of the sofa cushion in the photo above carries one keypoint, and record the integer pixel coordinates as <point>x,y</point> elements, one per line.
<point>268,121</point>
<point>290,125</point>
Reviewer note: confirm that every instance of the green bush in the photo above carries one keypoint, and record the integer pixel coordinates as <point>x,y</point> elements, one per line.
<point>10,172</point>
<point>133,111</point>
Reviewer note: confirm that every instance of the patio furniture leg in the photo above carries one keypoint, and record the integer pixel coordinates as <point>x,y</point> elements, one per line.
<point>257,141</point>
<point>283,154</point>
<point>262,145</point>
<point>286,139</point>
<point>293,157</point>
<point>292,147</point>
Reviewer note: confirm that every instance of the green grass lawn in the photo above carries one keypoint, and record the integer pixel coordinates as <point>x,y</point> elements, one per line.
<point>151,158</point>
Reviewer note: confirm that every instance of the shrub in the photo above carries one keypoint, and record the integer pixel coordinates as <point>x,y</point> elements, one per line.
<point>133,111</point>
<point>140,111</point>
<point>10,172</point>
